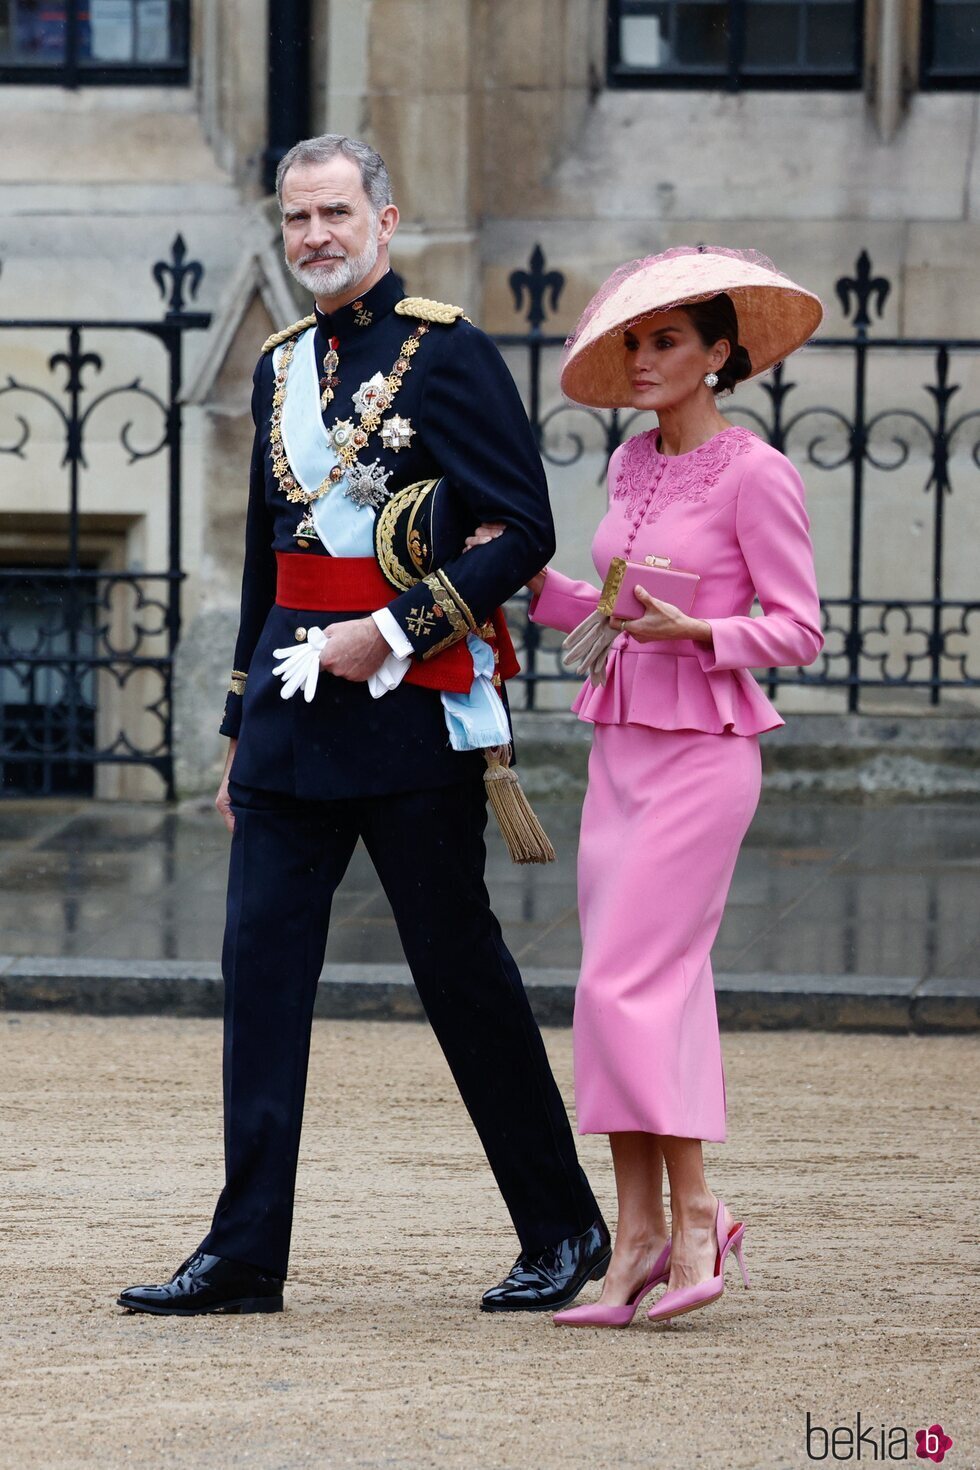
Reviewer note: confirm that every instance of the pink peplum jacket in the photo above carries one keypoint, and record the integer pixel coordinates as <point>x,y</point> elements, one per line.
<point>732,510</point>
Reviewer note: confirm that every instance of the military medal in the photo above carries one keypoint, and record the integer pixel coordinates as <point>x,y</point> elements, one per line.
<point>330,382</point>
<point>396,432</point>
<point>306,530</point>
<point>371,395</point>
<point>367,484</point>
<point>372,399</point>
<point>342,433</point>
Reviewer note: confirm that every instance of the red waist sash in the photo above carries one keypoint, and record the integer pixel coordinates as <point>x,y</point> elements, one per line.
<point>355,584</point>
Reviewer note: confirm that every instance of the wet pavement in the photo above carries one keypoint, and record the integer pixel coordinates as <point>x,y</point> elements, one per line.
<point>822,888</point>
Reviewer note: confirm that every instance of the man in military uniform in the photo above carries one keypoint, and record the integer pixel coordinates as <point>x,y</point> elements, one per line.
<point>370,395</point>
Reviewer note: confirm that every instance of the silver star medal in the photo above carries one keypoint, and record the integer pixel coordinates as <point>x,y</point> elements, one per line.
<point>341,433</point>
<point>367,484</point>
<point>368,394</point>
<point>396,432</point>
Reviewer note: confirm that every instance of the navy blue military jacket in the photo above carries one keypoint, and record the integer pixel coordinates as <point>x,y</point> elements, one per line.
<point>471,427</point>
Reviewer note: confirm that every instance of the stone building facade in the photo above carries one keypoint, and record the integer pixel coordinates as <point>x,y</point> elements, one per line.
<point>502,126</point>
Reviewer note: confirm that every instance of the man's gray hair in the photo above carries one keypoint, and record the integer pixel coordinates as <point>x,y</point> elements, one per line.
<point>374,174</point>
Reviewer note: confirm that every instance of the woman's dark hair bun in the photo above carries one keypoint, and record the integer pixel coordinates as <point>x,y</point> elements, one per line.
<point>716,320</point>
<point>737,367</point>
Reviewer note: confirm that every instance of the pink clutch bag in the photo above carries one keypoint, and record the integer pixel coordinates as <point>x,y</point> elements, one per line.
<point>655,576</point>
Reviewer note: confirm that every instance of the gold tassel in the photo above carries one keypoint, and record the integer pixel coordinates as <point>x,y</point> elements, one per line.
<point>526,839</point>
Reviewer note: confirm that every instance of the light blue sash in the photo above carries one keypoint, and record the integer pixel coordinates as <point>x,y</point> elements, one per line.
<point>474,720</point>
<point>477,719</point>
<point>344,528</point>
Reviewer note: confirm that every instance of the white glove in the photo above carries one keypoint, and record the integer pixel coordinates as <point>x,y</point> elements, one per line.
<point>301,665</point>
<point>586,648</point>
<point>389,676</point>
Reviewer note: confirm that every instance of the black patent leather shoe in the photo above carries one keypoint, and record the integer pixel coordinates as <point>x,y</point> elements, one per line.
<point>207,1284</point>
<point>552,1279</point>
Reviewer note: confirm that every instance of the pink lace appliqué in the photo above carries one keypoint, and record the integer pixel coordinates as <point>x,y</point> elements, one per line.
<point>646,475</point>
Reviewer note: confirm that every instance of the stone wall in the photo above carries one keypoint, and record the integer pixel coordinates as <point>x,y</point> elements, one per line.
<point>98,186</point>
<point>499,131</point>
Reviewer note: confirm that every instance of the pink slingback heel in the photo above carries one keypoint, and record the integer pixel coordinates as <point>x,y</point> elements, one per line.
<point>690,1298</point>
<point>597,1314</point>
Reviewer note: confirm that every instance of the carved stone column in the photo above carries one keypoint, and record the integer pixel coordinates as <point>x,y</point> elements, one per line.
<point>399,74</point>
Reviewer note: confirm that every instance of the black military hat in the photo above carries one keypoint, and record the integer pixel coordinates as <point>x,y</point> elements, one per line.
<point>419,528</point>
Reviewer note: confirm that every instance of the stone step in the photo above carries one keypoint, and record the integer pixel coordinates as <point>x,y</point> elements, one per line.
<point>378,992</point>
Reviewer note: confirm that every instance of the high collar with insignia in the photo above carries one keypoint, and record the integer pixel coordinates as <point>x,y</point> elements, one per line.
<point>352,320</point>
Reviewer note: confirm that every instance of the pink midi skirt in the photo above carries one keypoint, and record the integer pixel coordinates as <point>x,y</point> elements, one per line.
<point>664,817</point>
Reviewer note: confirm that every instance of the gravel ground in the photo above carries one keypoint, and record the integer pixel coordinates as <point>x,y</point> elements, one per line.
<point>851,1159</point>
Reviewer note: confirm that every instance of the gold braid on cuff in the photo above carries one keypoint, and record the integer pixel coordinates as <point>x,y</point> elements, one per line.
<point>237,685</point>
<point>446,603</point>
<point>459,601</point>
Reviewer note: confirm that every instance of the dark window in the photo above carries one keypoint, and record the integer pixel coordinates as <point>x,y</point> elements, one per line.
<point>735,43</point>
<point>950,43</point>
<point>73,43</point>
<point>47,684</point>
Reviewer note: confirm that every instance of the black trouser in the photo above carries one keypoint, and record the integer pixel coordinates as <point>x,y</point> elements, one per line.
<point>287,858</point>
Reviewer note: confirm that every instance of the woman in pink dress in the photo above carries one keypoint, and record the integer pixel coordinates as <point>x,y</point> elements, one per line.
<point>674,770</point>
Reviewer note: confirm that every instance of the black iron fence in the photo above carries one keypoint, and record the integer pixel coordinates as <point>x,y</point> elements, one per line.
<point>86,651</point>
<point>924,644</point>
<point>87,646</point>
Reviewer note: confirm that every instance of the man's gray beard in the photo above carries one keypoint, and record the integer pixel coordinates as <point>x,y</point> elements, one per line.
<point>344,275</point>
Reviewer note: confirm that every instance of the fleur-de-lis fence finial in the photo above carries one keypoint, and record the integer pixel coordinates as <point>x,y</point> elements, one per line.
<point>179,269</point>
<point>863,287</point>
<point>538,284</point>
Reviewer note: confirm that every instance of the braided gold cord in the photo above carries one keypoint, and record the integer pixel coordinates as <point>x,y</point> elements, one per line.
<point>428,310</point>
<point>347,454</point>
<point>287,332</point>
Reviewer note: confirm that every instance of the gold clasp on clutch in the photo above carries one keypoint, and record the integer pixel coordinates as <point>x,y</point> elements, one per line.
<point>611,586</point>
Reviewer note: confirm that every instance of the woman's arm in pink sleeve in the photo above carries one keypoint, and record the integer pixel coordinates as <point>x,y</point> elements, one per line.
<point>562,603</point>
<point>774,536</point>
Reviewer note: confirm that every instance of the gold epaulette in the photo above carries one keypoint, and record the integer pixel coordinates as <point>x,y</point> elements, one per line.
<point>287,332</point>
<point>429,311</point>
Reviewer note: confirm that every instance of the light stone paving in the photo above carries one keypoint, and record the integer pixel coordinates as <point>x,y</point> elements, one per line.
<point>849,1157</point>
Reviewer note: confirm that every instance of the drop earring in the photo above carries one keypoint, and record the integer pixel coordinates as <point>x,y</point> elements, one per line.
<point>711,380</point>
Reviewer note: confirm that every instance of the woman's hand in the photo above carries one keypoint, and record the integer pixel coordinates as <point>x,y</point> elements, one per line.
<point>489,531</point>
<point>662,620</point>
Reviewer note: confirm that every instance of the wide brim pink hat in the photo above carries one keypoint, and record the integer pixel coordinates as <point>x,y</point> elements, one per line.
<point>775,315</point>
